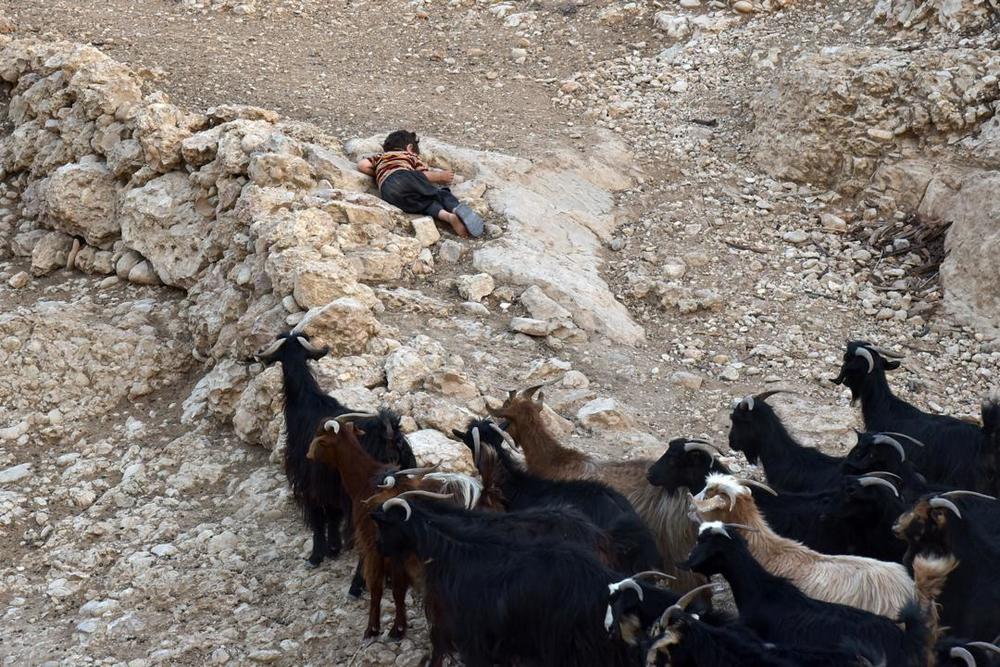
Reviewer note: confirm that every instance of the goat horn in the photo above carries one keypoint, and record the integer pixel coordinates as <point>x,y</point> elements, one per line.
<point>986,646</point>
<point>749,402</point>
<point>892,442</point>
<point>867,356</point>
<point>653,573</point>
<point>697,445</point>
<point>398,502</point>
<point>309,347</point>
<point>424,494</point>
<point>628,583</point>
<point>688,597</point>
<point>530,391</point>
<point>883,473</point>
<point>387,483</point>
<point>907,437</point>
<point>962,654</point>
<point>946,504</point>
<point>961,492</point>
<point>416,471</point>
<point>764,395</point>
<point>759,485</point>
<point>332,425</point>
<point>506,436</point>
<point>741,526</point>
<point>475,443</point>
<point>270,349</point>
<point>355,415</point>
<point>889,353</point>
<point>878,481</point>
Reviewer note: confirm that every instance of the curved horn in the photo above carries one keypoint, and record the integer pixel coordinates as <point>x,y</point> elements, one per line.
<point>332,425</point>
<point>904,436</point>
<point>865,354</point>
<point>424,494</point>
<point>530,391</point>
<point>884,474</point>
<point>476,444</point>
<point>946,504</point>
<point>764,395</point>
<point>889,354</point>
<point>309,347</point>
<point>387,483</point>
<point>416,471</point>
<point>749,402</point>
<point>986,646</point>
<point>698,445</point>
<point>960,492</point>
<point>506,436</point>
<point>880,439</point>
<point>878,481</point>
<point>691,595</point>
<point>398,502</point>
<point>355,415</point>
<point>741,526</point>
<point>653,573</point>
<point>270,349</point>
<point>759,485</point>
<point>962,654</point>
<point>629,584</point>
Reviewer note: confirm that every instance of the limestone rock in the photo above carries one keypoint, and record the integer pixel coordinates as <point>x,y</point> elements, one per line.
<point>432,447</point>
<point>143,274</point>
<point>542,307</point>
<point>686,380</point>
<point>405,370</point>
<point>50,253</point>
<point>475,287</point>
<point>675,27</point>
<point>345,325</point>
<point>603,413</point>
<point>166,221</point>
<point>79,199</point>
<point>450,251</point>
<point>19,280</point>
<point>532,327</point>
<point>426,231</point>
<point>161,129</point>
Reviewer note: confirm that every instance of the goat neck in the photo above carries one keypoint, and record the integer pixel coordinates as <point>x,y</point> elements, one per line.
<point>357,468</point>
<point>877,399</point>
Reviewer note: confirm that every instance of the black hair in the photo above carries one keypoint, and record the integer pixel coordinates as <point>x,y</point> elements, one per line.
<point>400,139</point>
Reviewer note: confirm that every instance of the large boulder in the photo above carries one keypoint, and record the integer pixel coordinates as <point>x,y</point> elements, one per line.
<point>79,199</point>
<point>167,221</point>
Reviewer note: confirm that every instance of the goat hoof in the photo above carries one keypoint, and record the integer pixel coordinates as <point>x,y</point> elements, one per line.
<point>370,636</point>
<point>333,552</point>
<point>397,633</point>
<point>314,560</point>
<point>355,593</point>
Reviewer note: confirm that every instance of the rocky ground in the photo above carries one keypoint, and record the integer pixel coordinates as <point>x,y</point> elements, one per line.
<point>687,203</point>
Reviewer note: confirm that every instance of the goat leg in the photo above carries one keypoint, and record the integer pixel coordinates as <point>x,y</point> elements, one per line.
<point>316,518</point>
<point>439,648</point>
<point>334,543</point>
<point>358,581</point>
<point>400,584</point>
<point>375,580</point>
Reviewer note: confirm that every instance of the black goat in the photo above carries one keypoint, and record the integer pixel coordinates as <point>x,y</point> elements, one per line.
<point>316,488</point>
<point>955,452</point>
<point>780,613</point>
<point>683,639</point>
<point>855,517</point>
<point>497,601</point>
<point>633,546</point>
<point>758,432</point>
<point>945,526</point>
<point>684,467</point>
<point>885,452</point>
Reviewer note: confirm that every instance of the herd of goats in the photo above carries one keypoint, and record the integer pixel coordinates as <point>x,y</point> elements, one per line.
<point>887,556</point>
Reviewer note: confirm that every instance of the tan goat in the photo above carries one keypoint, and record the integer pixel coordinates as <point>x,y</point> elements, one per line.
<point>873,585</point>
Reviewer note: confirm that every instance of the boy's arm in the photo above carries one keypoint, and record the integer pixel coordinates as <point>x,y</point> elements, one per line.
<point>442,176</point>
<point>365,167</point>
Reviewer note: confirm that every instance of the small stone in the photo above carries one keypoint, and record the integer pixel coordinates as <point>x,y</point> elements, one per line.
<point>603,413</point>
<point>475,287</point>
<point>690,4</point>
<point>730,373</point>
<point>19,280</point>
<point>832,223</point>
<point>532,327</point>
<point>570,87</point>
<point>879,134</point>
<point>679,86</point>
<point>674,267</point>
<point>474,308</point>
<point>541,306</point>
<point>15,473</point>
<point>164,550</point>
<point>686,380</point>
<point>795,236</point>
<point>143,274</point>
<point>450,251</point>
<point>743,7</point>
<point>575,380</point>
<point>426,231</point>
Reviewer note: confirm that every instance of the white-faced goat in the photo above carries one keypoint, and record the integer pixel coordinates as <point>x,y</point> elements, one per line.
<point>955,452</point>
<point>865,583</point>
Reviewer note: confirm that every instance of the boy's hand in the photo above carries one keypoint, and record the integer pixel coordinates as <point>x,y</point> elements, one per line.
<point>443,176</point>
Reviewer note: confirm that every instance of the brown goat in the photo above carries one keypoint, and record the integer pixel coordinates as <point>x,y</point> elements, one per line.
<point>337,446</point>
<point>663,513</point>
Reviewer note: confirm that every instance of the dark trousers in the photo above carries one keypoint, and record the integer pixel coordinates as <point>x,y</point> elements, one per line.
<point>412,192</point>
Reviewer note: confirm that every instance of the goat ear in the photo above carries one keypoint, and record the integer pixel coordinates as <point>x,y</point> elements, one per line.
<point>458,434</point>
<point>890,365</point>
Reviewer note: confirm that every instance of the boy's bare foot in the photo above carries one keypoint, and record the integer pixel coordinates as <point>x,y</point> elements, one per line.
<point>455,222</point>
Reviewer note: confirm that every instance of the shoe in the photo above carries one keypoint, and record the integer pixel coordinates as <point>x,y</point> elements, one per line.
<point>470,219</point>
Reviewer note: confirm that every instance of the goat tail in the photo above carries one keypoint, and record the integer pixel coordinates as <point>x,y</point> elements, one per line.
<point>930,573</point>
<point>918,636</point>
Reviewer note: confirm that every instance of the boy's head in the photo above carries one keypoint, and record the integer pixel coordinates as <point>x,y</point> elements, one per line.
<point>401,140</point>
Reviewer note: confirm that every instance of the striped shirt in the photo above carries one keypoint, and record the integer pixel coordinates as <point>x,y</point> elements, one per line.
<point>392,161</point>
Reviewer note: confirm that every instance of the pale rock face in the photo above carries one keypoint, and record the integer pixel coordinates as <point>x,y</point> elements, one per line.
<point>674,27</point>
<point>475,287</point>
<point>432,447</point>
<point>344,325</point>
<point>50,253</point>
<point>257,417</point>
<point>217,392</point>
<point>79,199</point>
<point>405,370</point>
<point>542,307</point>
<point>426,231</point>
<point>165,220</point>
<point>161,129</point>
<point>603,413</point>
